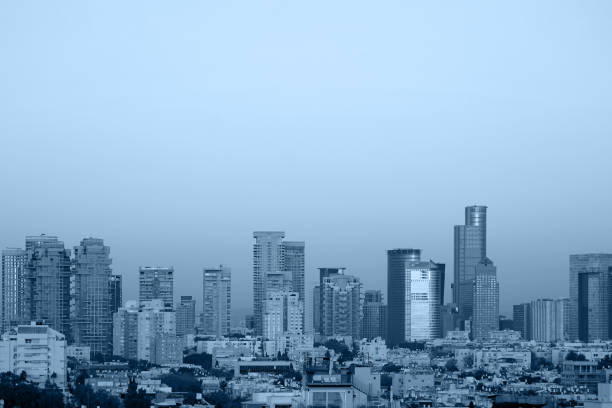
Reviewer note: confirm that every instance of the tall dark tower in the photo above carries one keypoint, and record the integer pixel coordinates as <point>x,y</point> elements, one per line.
<point>470,249</point>
<point>397,262</point>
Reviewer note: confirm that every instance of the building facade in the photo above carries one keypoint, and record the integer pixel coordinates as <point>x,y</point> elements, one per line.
<point>157,341</point>
<point>521,316</point>
<point>48,270</point>
<point>12,290</point>
<point>485,294</point>
<point>267,258</point>
<point>547,320</point>
<point>156,283</point>
<point>579,264</point>
<point>217,301</point>
<point>125,331</point>
<point>374,315</point>
<point>342,306</point>
<point>185,316</point>
<point>116,292</point>
<point>470,249</point>
<point>91,309</point>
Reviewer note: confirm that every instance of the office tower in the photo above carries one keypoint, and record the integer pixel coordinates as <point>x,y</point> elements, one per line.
<point>92,315</point>
<point>217,300</point>
<point>374,315</point>
<point>283,314</point>
<point>324,273</point>
<point>13,284</point>
<point>293,256</point>
<point>485,318</point>
<point>116,292</point>
<point>470,249</point>
<point>547,318</point>
<point>341,306</point>
<point>37,350</point>
<point>416,293</point>
<point>521,316</point>
<point>449,318</point>
<point>48,283</point>
<point>157,283</point>
<point>267,258</point>
<point>594,304</point>
<point>157,341</point>
<point>185,316</point>
<point>125,331</point>
<point>584,263</point>
<point>316,309</point>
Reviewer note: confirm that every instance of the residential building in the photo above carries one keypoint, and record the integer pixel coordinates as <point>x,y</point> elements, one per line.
<point>374,315</point>
<point>341,305</point>
<point>547,319</point>
<point>91,311</point>
<point>12,289</point>
<point>185,316</point>
<point>217,301</point>
<point>37,350</point>
<point>125,331</point>
<point>283,314</point>
<point>157,341</point>
<point>156,283</point>
<point>521,315</point>
<point>267,258</point>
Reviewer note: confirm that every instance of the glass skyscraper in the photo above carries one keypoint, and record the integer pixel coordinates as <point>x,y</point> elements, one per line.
<point>470,249</point>
<point>13,283</point>
<point>485,293</point>
<point>374,315</point>
<point>592,264</point>
<point>91,312</point>
<point>416,293</point>
<point>185,316</point>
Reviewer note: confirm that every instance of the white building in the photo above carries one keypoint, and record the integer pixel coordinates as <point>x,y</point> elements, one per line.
<point>125,331</point>
<point>36,349</point>
<point>157,341</point>
<point>548,319</point>
<point>217,301</point>
<point>283,314</point>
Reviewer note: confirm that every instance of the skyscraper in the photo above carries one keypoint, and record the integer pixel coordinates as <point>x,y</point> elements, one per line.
<point>470,249</point>
<point>13,283</point>
<point>594,305</point>
<point>294,263</point>
<point>283,314</point>
<point>48,282</point>
<point>217,300</point>
<point>323,273</point>
<point>125,331</point>
<point>416,294</point>
<point>157,341</point>
<point>547,319</point>
<point>485,294</point>
<point>185,316</point>
<point>92,314</point>
<point>521,315</point>
<point>583,263</point>
<point>157,283</point>
<point>374,315</point>
<point>341,306</point>
<point>116,292</point>
<point>267,258</point>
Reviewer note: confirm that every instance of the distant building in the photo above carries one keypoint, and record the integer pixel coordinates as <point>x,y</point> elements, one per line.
<point>267,258</point>
<point>217,301</point>
<point>592,264</point>
<point>485,294</point>
<point>294,263</point>
<point>116,292</point>
<point>341,305</point>
<point>374,315</point>
<point>323,273</point>
<point>48,283</point>
<point>416,293</point>
<point>92,314</point>
<point>157,340</point>
<point>185,316</point>
<point>316,309</point>
<point>156,283</point>
<point>521,316</point>
<point>470,249</point>
<point>36,349</point>
<point>13,288</point>
<point>595,305</point>
<point>547,320</point>
<point>449,318</point>
<point>125,331</point>
<point>283,314</point>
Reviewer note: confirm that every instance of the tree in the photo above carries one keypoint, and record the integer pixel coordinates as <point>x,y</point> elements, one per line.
<point>204,360</point>
<point>451,365</point>
<point>468,361</point>
<point>573,356</point>
<point>391,368</point>
<point>135,398</point>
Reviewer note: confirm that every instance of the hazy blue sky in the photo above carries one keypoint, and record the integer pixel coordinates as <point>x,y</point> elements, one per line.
<point>173,129</point>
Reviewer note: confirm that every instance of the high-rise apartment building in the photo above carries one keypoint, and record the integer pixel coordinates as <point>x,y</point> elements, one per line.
<point>217,301</point>
<point>597,265</point>
<point>48,283</point>
<point>316,309</point>
<point>157,341</point>
<point>91,309</point>
<point>485,295</point>
<point>116,292</point>
<point>271,256</point>
<point>547,320</point>
<point>470,249</point>
<point>185,316</point>
<point>374,315</point>
<point>521,316</point>
<point>12,289</point>
<point>156,283</point>
<point>416,293</point>
<point>323,273</point>
<point>341,306</point>
<point>125,331</point>
<point>283,314</point>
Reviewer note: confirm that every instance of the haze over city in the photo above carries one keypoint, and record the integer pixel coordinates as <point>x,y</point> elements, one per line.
<point>175,131</point>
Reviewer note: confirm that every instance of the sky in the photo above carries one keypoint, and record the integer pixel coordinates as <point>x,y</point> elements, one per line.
<point>173,130</point>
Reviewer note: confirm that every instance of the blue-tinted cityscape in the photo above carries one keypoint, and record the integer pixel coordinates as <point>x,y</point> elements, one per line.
<point>71,337</point>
